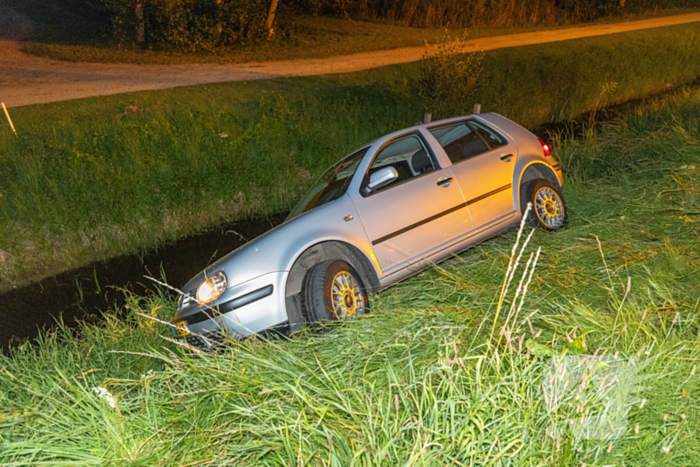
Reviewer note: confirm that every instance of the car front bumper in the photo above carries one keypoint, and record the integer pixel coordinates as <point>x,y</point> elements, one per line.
<point>242,310</point>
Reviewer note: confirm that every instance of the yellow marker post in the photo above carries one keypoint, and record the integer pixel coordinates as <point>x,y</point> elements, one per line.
<point>7,114</point>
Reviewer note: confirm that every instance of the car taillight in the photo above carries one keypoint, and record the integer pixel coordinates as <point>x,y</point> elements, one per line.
<point>545,148</point>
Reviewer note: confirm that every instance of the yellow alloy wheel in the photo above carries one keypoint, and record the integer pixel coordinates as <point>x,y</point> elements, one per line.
<point>549,207</point>
<point>346,295</point>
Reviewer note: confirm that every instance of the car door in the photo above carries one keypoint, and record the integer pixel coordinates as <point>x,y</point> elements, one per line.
<point>482,162</point>
<point>417,213</point>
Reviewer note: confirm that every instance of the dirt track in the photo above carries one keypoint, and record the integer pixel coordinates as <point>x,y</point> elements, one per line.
<point>26,79</point>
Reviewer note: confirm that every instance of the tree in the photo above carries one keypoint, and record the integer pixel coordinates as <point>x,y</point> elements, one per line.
<point>271,18</point>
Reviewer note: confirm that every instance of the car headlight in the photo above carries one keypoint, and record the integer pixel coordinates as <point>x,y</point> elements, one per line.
<point>212,288</point>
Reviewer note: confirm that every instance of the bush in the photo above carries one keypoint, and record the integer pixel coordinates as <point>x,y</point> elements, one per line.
<point>448,80</point>
<point>190,25</point>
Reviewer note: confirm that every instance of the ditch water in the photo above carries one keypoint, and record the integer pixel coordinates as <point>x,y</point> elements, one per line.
<point>81,294</point>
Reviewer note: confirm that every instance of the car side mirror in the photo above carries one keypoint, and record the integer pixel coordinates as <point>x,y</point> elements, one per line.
<point>380,178</point>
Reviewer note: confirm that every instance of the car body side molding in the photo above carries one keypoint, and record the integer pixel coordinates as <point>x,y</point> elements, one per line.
<point>439,215</point>
<point>490,193</point>
<point>418,224</point>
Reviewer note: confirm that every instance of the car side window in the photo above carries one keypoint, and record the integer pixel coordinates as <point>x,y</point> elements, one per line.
<point>465,139</point>
<point>408,155</point>
<point>459,141</point>
<point>493,139</point>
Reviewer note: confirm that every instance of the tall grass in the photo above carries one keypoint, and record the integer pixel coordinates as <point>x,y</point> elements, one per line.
<point>456,13</point>
<point>95,178</point>
<point>416,382</point>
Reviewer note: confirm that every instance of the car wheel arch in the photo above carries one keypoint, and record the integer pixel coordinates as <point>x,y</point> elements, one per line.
<point>323,251</point>
<point>534,171</point>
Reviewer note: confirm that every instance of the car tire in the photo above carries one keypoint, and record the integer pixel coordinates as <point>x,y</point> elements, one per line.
<point>549,211</point>
<point>329,280</point>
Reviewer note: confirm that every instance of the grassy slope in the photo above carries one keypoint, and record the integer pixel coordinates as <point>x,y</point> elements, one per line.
<point>61,34</point>
<point>99,177</point>
<point>413,383</point>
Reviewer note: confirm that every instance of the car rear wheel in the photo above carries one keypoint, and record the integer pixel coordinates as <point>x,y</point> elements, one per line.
<point>548,210</point>
<point>332,290</point>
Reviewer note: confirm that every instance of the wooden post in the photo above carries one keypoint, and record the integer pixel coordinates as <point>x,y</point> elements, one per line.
<point>271,17</point>
<point>427,118</point>
<point>141,27</point>
<point>477,109</point>
<point>7,114</point>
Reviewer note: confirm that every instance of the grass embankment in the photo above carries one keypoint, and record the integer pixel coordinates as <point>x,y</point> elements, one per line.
<point>413,383</point>
<point>100,177</point>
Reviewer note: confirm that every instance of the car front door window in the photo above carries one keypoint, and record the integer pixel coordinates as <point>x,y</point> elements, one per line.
<point>408,155</point>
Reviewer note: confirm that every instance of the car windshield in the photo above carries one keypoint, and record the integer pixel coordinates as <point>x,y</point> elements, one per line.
<point>331,185</point>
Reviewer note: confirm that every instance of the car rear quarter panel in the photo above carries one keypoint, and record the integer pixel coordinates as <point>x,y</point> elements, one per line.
<point>529,152</point>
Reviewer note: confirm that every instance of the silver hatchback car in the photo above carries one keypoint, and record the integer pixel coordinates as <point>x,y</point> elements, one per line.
<point>387,211</point>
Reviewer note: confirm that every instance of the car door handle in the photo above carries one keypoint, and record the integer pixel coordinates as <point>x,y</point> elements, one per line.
<point>443,181</point>
<point>506,156</point>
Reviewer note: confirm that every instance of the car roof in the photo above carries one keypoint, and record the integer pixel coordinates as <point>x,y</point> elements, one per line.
<point>424,125</point>
<point>396,133</point>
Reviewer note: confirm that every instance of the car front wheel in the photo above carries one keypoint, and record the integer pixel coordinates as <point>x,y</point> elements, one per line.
<point>548,210</point>
<point>333,290</point>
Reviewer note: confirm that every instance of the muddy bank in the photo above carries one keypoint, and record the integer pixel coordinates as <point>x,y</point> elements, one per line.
<point>86,292</point>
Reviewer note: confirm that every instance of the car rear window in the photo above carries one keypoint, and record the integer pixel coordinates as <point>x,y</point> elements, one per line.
<point>465,139</point>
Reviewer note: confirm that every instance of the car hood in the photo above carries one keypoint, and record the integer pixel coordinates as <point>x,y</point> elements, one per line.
<point>251,249</point>
<point>277,249</point>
